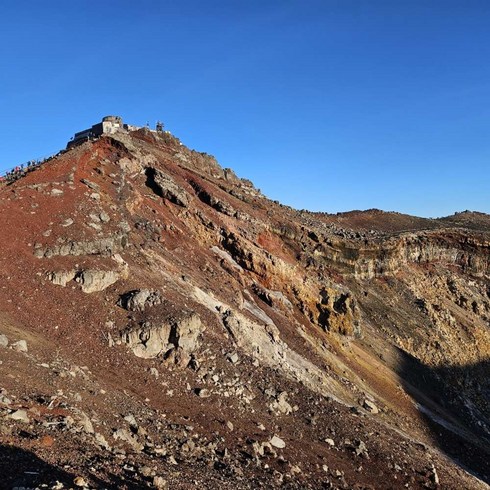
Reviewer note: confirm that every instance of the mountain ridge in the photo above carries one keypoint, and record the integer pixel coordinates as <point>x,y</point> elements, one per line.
<point>136,267</point>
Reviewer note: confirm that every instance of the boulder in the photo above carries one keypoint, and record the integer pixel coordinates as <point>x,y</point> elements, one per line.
<point>19,346</point>
<point>150,340</point>
<point>67,222</point>
<point>101,441</point>
<point>90,185</point>
<point>233,357</point>
<point>93,280</point>
<point>361,450</point>
<point>139,299</point>
<point>277,442</point>
<point>271,298</point>
<point>61,278</point>
<point>4,341</point>
<point>20,415</point>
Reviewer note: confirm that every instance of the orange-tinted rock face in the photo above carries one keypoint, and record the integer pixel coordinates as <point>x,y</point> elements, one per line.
<point>173,314</point>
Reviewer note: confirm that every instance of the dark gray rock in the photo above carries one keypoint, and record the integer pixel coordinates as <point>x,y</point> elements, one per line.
<point>164,186</point>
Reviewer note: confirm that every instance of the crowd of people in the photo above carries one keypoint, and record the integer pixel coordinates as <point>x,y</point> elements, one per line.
<point>22,170</point>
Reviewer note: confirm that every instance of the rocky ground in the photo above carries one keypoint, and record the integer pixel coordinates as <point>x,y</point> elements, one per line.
<point>164,325</point>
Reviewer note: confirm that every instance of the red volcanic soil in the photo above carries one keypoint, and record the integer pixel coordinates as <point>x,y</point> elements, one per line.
<point>293,348</point>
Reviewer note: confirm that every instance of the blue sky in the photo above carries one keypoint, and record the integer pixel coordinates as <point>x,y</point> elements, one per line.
<point>325,105</point>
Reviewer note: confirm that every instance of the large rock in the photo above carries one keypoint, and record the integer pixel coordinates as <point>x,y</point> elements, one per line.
<point>140,299</point>
<point>185,333</point>
<point>277,442</point>
<point>149,340</point>
<point>62,278</point>
<point>19,346</point>
<point>20,415</point>
<point>93,280</point>
<point>164,186</point>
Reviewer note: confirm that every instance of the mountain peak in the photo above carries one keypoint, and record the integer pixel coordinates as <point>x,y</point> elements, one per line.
<point>162,314</point>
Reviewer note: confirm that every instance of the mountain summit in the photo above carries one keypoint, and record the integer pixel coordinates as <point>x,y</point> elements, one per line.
<point>165,325</point>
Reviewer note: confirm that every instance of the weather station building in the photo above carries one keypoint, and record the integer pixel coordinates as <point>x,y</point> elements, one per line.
<point>108,125</point>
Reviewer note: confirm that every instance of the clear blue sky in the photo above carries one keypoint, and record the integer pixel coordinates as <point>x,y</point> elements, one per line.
<point>326,105</point>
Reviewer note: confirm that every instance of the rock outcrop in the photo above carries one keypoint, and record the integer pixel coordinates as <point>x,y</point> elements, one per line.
<point>338,312</point>
<point>164,186</point>
<point>179,337</point>
<point>93,281</point>
<point>102,246</point>
<point>140,299</point>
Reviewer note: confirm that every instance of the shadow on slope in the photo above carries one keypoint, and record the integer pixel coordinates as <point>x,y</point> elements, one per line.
<point>454,401</point>
<point>23,469</point>
<point>20,468</point>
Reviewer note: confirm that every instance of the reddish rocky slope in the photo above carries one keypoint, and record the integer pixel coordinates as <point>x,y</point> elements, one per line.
<point>183,331</point>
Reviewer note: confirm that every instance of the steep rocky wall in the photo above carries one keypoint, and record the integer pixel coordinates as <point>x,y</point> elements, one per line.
<point>367,259</point>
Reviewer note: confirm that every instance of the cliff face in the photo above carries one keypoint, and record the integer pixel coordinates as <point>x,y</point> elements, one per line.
<point>196,331</point>
<point>369,258</point>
